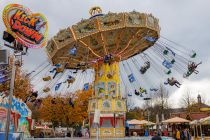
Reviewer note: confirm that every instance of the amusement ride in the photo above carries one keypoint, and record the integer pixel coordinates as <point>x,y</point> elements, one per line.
<point>120,55</point>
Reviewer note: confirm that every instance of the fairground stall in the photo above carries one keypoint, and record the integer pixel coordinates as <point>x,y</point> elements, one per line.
<point>139,127</point>
<point>175,123</point>
<point>20,116</point>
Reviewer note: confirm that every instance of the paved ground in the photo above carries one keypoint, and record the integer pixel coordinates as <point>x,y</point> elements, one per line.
<point>126,138</point>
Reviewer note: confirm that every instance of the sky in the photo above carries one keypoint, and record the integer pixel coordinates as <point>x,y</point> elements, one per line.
<point>183,21</point>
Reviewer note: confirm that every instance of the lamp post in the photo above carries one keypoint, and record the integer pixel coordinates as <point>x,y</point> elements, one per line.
<point>10,98</point>
<point>147,100</point>
<point>15,50</point>
<point>148,113</point>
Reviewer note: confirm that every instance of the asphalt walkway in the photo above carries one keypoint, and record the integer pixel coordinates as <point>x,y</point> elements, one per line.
<point>126,138</point>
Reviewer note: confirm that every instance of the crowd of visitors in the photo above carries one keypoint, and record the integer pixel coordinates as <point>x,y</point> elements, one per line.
<point>182,134</point>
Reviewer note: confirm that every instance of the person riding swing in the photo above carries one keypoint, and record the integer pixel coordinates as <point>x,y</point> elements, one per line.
<point>136,92</point>
<point>142,90</point>
<point>173,82</point>
<point>192,67</point>
<point>70,80</point>
<point>145,67</point>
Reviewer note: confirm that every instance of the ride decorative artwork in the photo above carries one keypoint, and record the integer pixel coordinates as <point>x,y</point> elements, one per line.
<point>20,112</point>
<point>29,29</point>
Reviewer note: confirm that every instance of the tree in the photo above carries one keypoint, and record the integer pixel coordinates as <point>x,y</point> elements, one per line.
<point>188,101</point>
<point>159,104</point>
<point>58,110</point>
<point>135,113</point>
<point>23,85</point>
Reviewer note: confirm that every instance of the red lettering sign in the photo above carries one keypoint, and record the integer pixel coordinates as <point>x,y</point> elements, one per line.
<point>27,28</point>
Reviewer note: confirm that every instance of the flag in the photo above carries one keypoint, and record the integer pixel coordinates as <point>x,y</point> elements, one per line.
<point>131,78</point>
<point>73,51</point>
<point>86,86</point>
<point>57,86</point>
<point>167,64</point>
<point>150,39</point>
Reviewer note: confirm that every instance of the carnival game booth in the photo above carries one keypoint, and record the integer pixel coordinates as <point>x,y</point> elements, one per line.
<point>20,116</point>
<point>175,123</point>
<point>139,126</point>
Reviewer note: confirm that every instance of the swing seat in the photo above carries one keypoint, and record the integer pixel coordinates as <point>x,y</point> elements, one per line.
<point>153,89</point>
<point>168,72</point>
<point>141,90</point>
<point>187,74</point>
<point>59,70</point>
<point>48,78</point>
<point>83,67</point>
<point>165,83</point>
<point>137,93</point>
<point>193,55</point>
<point>129,94</point>
<point>70,81</point>
<point>173,61</point>
<point>165,52</point>
<point>143,70</point>
<point>46,89</point>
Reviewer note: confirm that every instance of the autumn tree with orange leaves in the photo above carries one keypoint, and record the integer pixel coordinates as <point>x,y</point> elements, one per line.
<point>58,110</point>
<point>22,85</point>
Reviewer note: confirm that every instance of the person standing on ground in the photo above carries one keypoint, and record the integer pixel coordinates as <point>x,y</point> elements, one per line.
<point>185,134</point>
<point>177,134</point>
<point>146,133</point>
<point>156,137</point>
<point>188,134</point>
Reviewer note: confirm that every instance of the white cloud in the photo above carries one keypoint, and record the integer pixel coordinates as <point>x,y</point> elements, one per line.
<point>201,87</point>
